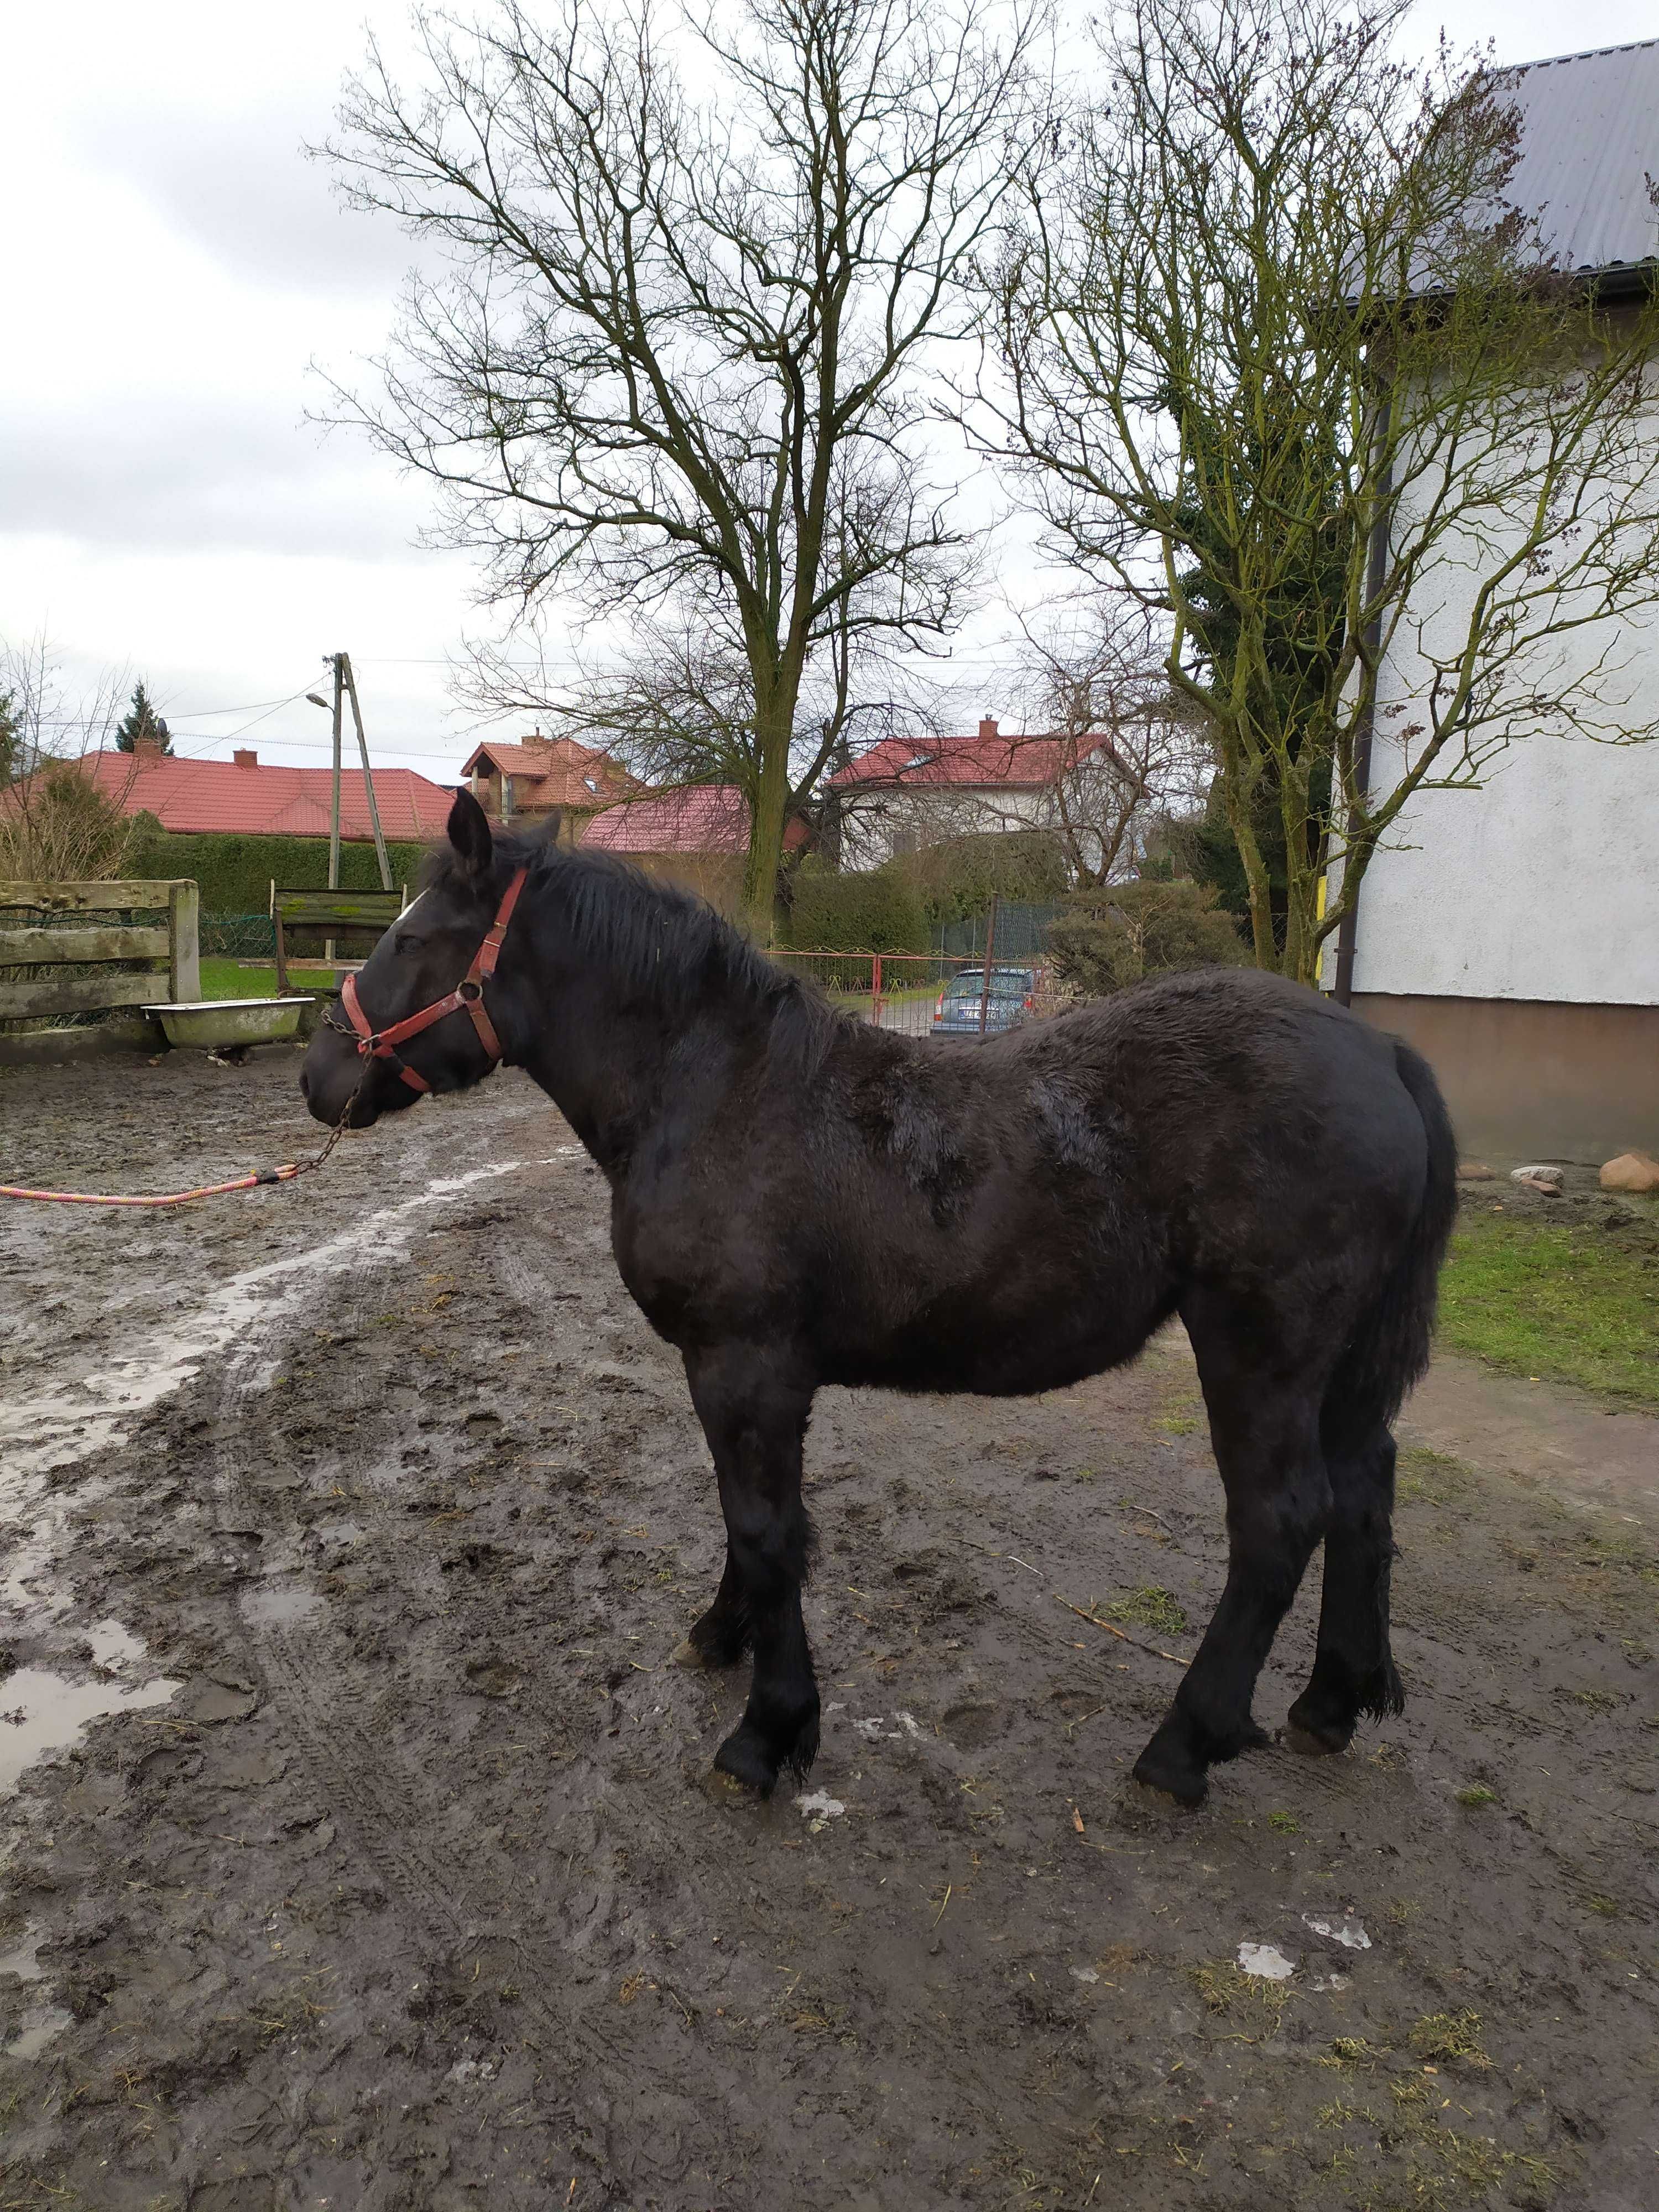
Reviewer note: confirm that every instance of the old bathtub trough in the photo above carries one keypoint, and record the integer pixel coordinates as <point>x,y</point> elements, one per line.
<point>225,1024</point>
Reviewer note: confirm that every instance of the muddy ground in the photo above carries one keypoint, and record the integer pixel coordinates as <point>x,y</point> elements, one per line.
<point>367,1513</point>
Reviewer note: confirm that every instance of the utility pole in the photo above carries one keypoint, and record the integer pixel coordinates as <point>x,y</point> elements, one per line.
<point>342,669</point>
<point>336,662</point>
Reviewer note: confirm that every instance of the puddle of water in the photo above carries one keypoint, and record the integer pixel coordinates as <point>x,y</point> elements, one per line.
<point>113,1646</point>
<point>280,1606</point>
<point>41,1712</point>
<point>23,1959</point>
<point>39,2026</point>
<point>340,1532</point>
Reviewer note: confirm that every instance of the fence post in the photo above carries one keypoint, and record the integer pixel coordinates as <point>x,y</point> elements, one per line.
<point>184,943</point>
<point>875,988</point>
<point>990,946</point>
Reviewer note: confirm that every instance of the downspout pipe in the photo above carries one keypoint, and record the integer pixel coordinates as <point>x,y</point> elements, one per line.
<point>1377,568</point>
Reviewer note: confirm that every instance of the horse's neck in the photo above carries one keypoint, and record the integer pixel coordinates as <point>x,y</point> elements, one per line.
<point>611,1063</point>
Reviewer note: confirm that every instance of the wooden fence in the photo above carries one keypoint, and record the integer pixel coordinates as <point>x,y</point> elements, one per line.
<point>171,957</point>
<point>335,916</point>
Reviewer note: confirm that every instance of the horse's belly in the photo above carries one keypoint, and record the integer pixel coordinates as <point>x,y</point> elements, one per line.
<point>1043,1352</point>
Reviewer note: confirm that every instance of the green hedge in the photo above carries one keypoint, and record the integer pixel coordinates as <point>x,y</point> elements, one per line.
<point>234,871</point>
<point>874,912</point>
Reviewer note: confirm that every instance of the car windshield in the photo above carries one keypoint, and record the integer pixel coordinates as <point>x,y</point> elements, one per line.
<point>1006,984</point>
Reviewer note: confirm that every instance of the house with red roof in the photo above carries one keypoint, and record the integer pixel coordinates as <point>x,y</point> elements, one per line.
<point>696,834</point>
<point>522,782</point>
<point>240,794</point>
<point>906,793</point>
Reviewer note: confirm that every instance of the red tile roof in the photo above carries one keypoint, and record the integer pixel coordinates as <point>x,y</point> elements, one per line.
<point>992,758</point>
<point>553,772</point>
<point>268,802</point>
<point>700,818</point>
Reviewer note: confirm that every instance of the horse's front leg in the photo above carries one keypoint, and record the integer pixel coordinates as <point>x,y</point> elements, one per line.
<point>720,1637</point>
<point>754,1413</point>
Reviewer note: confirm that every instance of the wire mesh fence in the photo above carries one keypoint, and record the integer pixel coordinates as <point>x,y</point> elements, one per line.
<point>925,993</point>
<point>1021,932</point>
<point>239,936</point>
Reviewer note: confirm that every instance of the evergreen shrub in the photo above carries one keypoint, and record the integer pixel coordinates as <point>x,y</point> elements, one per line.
<point>1117,936</point>
<point>875,911</point>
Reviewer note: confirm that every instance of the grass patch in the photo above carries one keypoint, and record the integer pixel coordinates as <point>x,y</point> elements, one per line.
<point>1348,2050</point>
<point>1431,1478</point>
<point>1229,1991</point>
<point>1565,1304</point>
<point>229,979</point>
<point>1149,1607</point>
<point>1476,1796</point>
<point>1444,2036</point>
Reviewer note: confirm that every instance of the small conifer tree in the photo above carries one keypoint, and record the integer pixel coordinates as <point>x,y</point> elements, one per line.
<point>141,720</point>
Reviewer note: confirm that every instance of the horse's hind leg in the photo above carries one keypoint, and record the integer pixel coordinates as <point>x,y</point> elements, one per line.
<point>720,1637</point>
<point>1354,1669</point>
<point>1264,1426</point>
<point>755,1420</point>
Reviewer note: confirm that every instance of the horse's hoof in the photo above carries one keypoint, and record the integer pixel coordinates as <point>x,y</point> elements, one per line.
<point>1312,1742</point>
<point>1186,1785</point>
<point>687,1655</point>
<point>743,1760</point>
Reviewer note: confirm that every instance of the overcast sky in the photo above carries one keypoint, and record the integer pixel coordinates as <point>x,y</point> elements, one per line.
<point>171,265</point>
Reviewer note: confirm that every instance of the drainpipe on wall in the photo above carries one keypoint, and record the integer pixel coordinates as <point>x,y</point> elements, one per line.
<point>1375,568</point>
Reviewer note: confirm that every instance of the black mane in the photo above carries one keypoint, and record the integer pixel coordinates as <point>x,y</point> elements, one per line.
<point>661,942</point>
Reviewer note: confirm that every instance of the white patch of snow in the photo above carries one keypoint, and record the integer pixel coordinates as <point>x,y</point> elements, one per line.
<point>1348,1931</point>
<point>819,1805</point>
<point>1266,1962</point>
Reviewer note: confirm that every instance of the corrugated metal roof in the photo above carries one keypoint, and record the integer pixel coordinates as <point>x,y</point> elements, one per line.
<point>1590,143</point>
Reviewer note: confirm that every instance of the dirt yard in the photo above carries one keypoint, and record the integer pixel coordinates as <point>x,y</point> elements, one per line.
<point>357,1850</point>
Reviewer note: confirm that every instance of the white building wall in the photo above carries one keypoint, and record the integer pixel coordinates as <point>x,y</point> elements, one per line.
<point>1543,883</point>
<point>878,822</point>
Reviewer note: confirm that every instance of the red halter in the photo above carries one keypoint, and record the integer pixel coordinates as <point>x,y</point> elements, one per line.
<point>468,993</point>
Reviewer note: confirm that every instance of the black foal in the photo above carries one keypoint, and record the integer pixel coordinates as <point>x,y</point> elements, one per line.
<point>797,1199</point>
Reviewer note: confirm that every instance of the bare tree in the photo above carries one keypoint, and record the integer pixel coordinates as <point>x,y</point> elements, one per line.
<point>57,826</point>
<point>1105,753</point>
<point>680,711</point>
<point>676,351</point>
<point>1277,358</point>
<point>1133,753</point>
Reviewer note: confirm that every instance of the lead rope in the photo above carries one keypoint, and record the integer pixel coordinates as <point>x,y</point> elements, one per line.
<point>289,1173</point>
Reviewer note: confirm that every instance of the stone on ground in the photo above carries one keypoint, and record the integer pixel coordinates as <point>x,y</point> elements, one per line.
<point>1631,1171</point>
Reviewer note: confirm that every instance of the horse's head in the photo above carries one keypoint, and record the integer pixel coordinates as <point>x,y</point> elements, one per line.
<point>422,958</point>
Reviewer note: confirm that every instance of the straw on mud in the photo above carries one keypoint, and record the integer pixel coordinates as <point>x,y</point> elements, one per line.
<point>1124,1635</point>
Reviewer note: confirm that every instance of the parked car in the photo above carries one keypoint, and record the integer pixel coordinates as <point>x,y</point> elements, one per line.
<point>1012,996</point>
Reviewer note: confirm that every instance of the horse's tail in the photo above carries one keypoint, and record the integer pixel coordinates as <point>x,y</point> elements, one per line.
<point>1389,1349</point>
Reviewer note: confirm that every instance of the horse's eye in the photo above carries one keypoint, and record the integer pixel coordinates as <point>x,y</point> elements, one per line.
<point>404,942</point>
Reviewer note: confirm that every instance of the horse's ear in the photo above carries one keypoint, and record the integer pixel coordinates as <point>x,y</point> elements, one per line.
<point>553,825</point>
<point>469,834</point>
